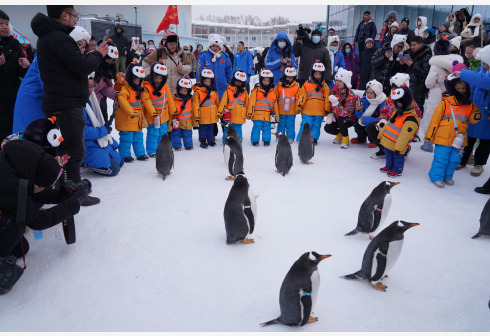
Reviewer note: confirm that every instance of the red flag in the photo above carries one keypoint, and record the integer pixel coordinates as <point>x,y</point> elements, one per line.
<point>171,17</point>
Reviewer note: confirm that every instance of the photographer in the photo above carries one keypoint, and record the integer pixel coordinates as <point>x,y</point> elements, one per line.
<point>309,51</point>
<point>21,159</point>
<point>366,29</point>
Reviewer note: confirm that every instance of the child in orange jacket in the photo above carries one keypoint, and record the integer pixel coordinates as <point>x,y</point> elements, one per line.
<point>184,120</point>
<point>286,91</point>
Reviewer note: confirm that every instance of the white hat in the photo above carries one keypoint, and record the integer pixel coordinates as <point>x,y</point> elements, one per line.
<point>185,82</point>
<point>91,75</point>
<point>394,24</point>
<point>400,79</point>
<point>240,75</point>
<point>79,33</point>
<point>484,55</point>
<point>266,73</point>
<point>376,86</point>
<point>113,52</point>
<point>138,71</point>
<point>397,38</point>
<point>290,71</point>
<point>317,66</point>
<point>215,39</point>
<point>344,76</point>
<point>331,39</point>
<point>207,73</point>
<point>160,69</point>
<point>456,41</point>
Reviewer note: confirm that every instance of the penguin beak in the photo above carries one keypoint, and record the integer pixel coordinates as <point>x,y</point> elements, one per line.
<point>273,133</point>
<point>394,183</point>
<point>409,225</point>
<point>325,256</point>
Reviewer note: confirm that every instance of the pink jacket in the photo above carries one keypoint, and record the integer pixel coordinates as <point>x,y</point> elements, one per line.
<point>104,89</point>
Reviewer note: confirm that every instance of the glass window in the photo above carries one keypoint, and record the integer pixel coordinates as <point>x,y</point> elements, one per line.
<point>427,11</point>
<point>411,12</point>
<point>379,19</point>
<point>246,38</point>
<point>254,38</point>
<point>351,25</point>
<point>400,10</point>
<point>441,14</point>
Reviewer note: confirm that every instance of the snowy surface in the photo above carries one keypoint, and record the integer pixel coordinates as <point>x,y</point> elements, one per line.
<point>152,255</point>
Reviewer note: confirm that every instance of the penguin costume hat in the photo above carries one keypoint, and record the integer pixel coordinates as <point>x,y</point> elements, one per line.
<point>240,212</point>
<point>232,152</point>
<point>484,221</point>
<point>381,254</point>
<point>299,291</point>
<point>158,68</point>
<point>44,132</point>
<point>284,154</point>
<point>306,147</point>
<point>164,159</point>
<point>374,209</point>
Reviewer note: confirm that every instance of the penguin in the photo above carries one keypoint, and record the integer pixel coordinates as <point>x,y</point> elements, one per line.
<point>240,211</point>
<point>233,154</point>
<point>306,147</point>
<point>374,209</point>
<point>230,131</point>
<point>299,290</point>
<point>381,254</point>
<point>484,221</point>
<point>165,156</point>
<point>284,154</point>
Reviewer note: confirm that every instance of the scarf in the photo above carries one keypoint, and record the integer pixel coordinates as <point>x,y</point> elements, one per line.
<point>216,55</point>
<point>95,116</point>
<point>373,105</point>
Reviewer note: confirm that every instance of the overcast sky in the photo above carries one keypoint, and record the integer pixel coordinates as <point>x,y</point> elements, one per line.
<point>306,13</point>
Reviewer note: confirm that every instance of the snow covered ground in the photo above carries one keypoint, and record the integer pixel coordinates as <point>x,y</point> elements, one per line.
<point>152,255</point>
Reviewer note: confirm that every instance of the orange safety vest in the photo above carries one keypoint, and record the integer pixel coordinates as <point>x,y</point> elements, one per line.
<point>263,104</point>
<point>210,101</point>
<point>311,93</point>
<point>231,99</point>
<point>461,112</point>
<point>393,130</point>
<point>186,114</point>
<point>135,104</point>
<point>287,93</point>
<point>159,103</point>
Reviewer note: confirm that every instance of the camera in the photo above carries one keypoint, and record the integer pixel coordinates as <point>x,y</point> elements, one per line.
<point>303,33</point>
<point>10,273</point>
<point>68,187</point>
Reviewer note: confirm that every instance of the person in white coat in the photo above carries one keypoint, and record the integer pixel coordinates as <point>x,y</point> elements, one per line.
<point>420,26</point>
<point>440,66</point>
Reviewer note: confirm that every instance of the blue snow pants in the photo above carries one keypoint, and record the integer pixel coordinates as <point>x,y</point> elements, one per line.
<point>394,161</point>
<point>206,131</point>
<point>261,126</point>
<point>238,129</point>
<point>113,170</point>
<point>286,125</point>
<point>315,124</point>
<point>128,138</point>
<point>153,137</point>
<point>446,159</point>
<point>178,134</point>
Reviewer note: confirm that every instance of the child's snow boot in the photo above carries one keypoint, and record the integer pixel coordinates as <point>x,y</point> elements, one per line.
<point>345,142</point>
<point>338,138</point>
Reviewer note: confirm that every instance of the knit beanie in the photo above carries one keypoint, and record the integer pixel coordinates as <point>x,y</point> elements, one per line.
<point>456,42</point>
<point>442,47</point>
<point>484,55</point>
<point>316,32</point>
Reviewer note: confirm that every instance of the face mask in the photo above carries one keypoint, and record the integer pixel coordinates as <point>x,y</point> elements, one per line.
<point>332,49</point>
<point>281,44</point>
<point>316,39</point>
<point>347,51</point>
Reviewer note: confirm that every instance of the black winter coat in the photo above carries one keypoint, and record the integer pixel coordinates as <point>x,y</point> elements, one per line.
<point>21,159</point>
<point>309,53</point>
<point>365,67</point>
<point>122,43</point>
<point>419,70</point>
<point>63,69</point>
<point>365,30</point>
<point>410,34</point>
<point>384,69</point>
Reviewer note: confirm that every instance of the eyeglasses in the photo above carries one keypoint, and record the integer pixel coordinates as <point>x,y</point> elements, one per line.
<point>81,46</point>
<point>77,17</point>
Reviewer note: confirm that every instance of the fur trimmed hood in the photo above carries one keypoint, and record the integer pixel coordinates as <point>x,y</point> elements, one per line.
<point>445,61</point>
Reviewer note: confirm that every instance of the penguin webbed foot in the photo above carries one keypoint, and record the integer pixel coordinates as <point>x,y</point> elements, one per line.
<point>476,236</point>
<point>309,163</point>
<point>312,319</point>
<point>248,241</point>
<point>371,237</point>
<point>229,178</point>
<point>379,286</point>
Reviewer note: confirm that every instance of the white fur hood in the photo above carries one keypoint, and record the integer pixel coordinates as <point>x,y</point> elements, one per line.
<point>445,61</point>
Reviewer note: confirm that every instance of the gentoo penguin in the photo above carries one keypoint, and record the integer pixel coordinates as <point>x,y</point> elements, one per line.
<point>233,154</point>
<point>299,291</point>
<point>284,154</point>
<point>381,254</point>
<point>484,221</point>
<point>230,131</point>
<point>165,157</point>
<point>306,147</point>
<point>240,211</point>
<point>374,209</point>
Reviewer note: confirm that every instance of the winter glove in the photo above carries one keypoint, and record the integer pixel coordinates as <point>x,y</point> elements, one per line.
<point>334,101</point>
<point>330,118</point>
<point>397,152</point>
<point>249,116</point>
<point>107,125</point>
<point>335,69</point>
<point>80,194</point>
<point>381,124</point>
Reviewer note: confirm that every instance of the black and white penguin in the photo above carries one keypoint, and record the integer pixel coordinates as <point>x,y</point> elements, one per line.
<point>165,156</point>
<point>484,221</point>
<point>233,154</point>
<point>230,131</point>
<point>284,154</point>
<point>299,291</point>
<point>374,209</point>
<point>381,254</point>
<point>306,147</point>
<point>240,212</point>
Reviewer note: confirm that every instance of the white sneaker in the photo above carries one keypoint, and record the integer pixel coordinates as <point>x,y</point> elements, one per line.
<point>337,141</point>
<point>477,170</point>
<point>344,146</point>
<point>439,184</point>
<point>378,155</point>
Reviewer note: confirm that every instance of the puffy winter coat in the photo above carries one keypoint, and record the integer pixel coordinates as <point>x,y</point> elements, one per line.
<point>441,127</point>
<point>365,30</point>
<point>222,68</point>
<point>29,99</point>
<point>407,124</point>
<point>63,68</point>
<point>374,117</point>
<point>126,107</point>
<point>440,66</point>
<point>104,88</point>
<point>419,70</point>
<point>480,93</point>
<point>365,68</point>
<point>347,103</point>
<point>206,111</point>
<point>244,61</point>
<point>308,53</point>
<point>275,55</point>
<point>384,69</point>
<point>409,32</point>
<point>186,121</point>
<point>291,93</point>
<point>351,63</point>
<point>311,102</point>
<point>163,105</point>
<point>420,30</point>
<point>260,106</point>
<point>95,156</point>
<point>121,41</point>
<point>454,26</point>
<point>239,111</point>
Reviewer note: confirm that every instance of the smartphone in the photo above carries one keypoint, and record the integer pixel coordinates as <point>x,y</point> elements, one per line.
<point>407,56</point>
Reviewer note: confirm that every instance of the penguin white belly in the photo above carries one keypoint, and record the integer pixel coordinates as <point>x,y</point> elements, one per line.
<point>315,286</point>
<point>226,154</point>
<point>394,250</point>
<point>384,213</point>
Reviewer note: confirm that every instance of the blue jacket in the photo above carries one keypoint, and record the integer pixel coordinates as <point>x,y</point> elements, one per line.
<point>95,156</point>
<point>244,61</point>
<point>28,102</point>
<point>480,94</point>
<point>273,58</point>
<point>373,117</point>
<point>338,61</point>
<point>222,68</point>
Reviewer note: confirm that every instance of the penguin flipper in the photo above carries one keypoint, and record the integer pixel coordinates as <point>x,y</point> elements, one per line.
<point>359,275</point>
<point>476,236</point>
<point>353,232</point>
<point>274,321</point>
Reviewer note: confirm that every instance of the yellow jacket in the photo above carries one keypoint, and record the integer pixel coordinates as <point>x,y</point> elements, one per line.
<point>128,110</point>
<point>163,105</point>
<point>207,112</point>
<point>441,128</point>
<point>185,121</point>
<point>259,108</point>
<point>291,93</point>
<point>396,136</point>
<point>239,111</point>
<point>313,103</point>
